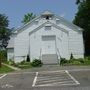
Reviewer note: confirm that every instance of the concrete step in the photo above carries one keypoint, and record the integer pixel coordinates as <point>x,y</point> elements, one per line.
<point>49,59</point>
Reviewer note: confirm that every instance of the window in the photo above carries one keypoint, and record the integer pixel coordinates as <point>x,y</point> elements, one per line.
<point>48,38</point>
<point>47,27</point>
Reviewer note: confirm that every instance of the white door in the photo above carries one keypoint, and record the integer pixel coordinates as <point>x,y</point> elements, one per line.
<point>49,55</point>
<point>48,45</point>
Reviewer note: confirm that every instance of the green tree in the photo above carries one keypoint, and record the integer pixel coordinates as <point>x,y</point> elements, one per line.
<point>79,1</point>
<point>28,17</point>
<point>4,33</point>
<point>82,19</point>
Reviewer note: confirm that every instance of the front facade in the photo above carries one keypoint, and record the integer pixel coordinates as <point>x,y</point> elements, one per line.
<point>47,37</point>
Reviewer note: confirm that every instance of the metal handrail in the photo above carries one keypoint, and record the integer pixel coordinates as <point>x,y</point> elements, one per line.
<point>40,53</point>
<point>59,54</point>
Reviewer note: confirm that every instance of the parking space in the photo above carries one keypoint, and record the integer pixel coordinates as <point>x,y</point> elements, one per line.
<point>17,81</point>
<point>54,78</point>
<point>82,76</point>
<point>46,80</point>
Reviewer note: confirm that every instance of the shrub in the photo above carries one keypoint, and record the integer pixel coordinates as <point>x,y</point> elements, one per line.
<point>36,63</point>
<point>22,62</point>
<point>16,65</point>
<point>88,57</point>
<point>63,61</point>
<point>81,60</point>
<point>71,57</point>
<point>71,60</point>
<point>11,62</point>
<point>75,62</point>
<point>28,58</point>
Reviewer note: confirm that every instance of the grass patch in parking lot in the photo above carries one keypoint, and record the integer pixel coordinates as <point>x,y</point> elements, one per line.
<point>5,69</point>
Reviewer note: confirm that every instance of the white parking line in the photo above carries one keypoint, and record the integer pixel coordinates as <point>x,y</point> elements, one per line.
<point>60,78</point>
<point>3,76</point>
<point>60,83</point>
<point>7,86</point>
<point>64,80</point>
<point>61,71</point>
<point>54,78</point>
<point>35,79</point>
<point>72,77</point>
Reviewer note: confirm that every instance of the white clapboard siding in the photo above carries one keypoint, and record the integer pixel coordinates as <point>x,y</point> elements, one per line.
<point>61,40</point>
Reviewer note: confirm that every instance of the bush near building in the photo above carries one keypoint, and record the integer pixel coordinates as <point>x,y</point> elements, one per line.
<point>36,63</point>
<point>80,61</point>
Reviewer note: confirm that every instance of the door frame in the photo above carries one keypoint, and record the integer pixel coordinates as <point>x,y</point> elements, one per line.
<point>49,38</point>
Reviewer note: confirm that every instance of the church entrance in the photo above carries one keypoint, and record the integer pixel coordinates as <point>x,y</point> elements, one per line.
<point>49,55</point>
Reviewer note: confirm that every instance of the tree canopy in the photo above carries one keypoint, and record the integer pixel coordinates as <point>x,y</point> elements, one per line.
<point>4,34</point>
<point>79,1</point>
<point>82,19</point>
<point>4,31</point>
<point>28,17</point>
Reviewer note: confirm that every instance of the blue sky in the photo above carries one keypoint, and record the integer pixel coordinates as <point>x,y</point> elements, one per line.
<point>16,9</point>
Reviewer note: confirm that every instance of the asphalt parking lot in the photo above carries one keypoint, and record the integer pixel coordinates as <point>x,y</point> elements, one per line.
<point>46,80</point>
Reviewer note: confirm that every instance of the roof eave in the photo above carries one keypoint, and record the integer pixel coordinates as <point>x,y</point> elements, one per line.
<point>27,23</point>
<point>75,26</point>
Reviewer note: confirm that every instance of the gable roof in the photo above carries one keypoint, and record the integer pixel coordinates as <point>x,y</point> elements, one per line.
<point>67,23</point>
<point>52,24</point>
<point>20,28</point>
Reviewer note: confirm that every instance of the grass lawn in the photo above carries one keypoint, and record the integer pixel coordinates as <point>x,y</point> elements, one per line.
<point>24,65</point>
<point>87,62</point>
<point>5,69</point>
<point>79,62</point>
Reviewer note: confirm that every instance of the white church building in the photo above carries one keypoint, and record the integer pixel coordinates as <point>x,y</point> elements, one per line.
<point>47,37</point>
